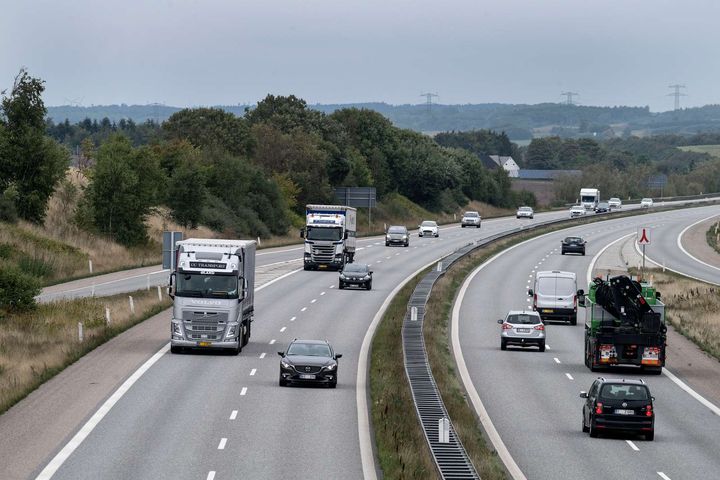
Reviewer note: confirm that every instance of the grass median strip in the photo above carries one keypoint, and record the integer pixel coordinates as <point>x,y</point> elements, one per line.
<point>713,236</point>
<point>37,345</point>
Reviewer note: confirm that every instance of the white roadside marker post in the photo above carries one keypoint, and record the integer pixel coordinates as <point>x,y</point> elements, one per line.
<point>159,294</point>
<point>107,315</point>
<point>132,304</point>
<point>90,265</point>
<point>148,282</point>
<point>81,337</point>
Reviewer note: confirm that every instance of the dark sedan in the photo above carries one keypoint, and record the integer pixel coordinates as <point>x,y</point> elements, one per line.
<point>602,207</point>
<point>397,235</point>
<point>573,245</point>
<point>309,361</point>
<point>356,274</point>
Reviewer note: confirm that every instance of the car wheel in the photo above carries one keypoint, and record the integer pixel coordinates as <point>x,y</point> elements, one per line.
<point>583,253</point>
<point>332,384</point>
<point>592,430</point>
<point>463,226</point>
<point>541,347</point>
<point>306,267</point>
<point>407,244</point>
<point>341,286</point>
<point>387,244</point>
<point>585,429</point>
<point>562,252</point>
<point>174,349</point>
<point>369,286</point>
<point>650,436</point>
<point>282,382</point>
<point>503,345</point>
<point>478,225</point>
<point>573,320</point>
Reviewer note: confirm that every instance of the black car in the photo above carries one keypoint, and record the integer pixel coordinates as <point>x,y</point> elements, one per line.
<point>397,235</point>
<point>602,207</point>
<point>309,361</point>
<point>573,245</point>
<point>356,274</point>
<point>618,405</point>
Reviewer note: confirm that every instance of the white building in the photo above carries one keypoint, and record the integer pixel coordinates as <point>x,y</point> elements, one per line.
<point>508,164</point>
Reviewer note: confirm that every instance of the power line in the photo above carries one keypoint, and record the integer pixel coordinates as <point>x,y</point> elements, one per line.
<point>428,99</point>
<point>677,94</point>
<point>569,97</point>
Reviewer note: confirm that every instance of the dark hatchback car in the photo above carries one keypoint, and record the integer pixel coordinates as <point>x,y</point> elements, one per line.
<point>618,405</point>
<point>397,235</point>
<point>310,362</point>
<point>356,274</point>
<point>573,245</point>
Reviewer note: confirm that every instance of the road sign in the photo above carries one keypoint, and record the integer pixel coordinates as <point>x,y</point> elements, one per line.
<point>643,235</point>
<point>356,196</point>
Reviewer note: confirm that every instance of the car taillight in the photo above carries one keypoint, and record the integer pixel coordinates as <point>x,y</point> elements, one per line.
<point>648,411</point>
<point>507,326</point>
<point>539,327</point>
<point>575,301</point>
<point>598,408</point>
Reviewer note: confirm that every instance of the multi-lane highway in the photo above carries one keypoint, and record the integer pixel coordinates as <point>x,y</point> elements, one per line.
<point>532,398</point>
<point>212,416</point>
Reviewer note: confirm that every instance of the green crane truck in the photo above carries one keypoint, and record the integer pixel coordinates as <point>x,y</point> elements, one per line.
<point>624,325</point>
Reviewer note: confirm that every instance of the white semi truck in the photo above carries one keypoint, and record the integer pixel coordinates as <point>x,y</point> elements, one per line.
<point>329,235</point>
<point>213,292</point>
<point>589,198</point>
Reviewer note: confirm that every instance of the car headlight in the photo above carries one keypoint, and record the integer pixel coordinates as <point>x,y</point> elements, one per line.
<point>342,277</point>
<point>366,277</point>
<point>404,237</point>
<point>331,367</point>
<point>285,364</point>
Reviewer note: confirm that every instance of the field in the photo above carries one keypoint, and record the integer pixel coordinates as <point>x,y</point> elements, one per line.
<point>36,345</point>
<point>713,150</point>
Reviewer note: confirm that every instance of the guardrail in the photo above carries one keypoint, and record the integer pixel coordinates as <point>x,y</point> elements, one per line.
<point>447,450</point>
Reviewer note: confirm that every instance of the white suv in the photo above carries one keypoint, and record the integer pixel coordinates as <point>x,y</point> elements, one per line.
<point>615,202</point>
<point>471,219</point>
<point>646,203</point>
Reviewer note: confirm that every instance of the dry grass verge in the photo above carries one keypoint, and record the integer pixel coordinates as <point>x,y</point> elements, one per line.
<point>402,450</point>
<point>37,345</point>
<point>691,307</point>
<point>713,236</point>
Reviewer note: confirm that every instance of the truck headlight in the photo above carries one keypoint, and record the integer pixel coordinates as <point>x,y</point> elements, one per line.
<point>404,237</point>
<point>232,331</point>
<point>176,330</point>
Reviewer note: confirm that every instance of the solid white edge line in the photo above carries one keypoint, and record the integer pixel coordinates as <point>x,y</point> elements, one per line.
<point>367,455</point>
<point>713,408</point>
<point>632,445</point>
<point>647,258</point>
<point>679,242</point>
<point>663,476</point>
<point>82,434</point>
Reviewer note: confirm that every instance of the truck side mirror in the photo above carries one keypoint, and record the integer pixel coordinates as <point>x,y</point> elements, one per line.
<point>581,300</point>
<point>657,295</point>
<point>243,287</point>
<point>346,235</point>
<point>581,292</point>
<point>302,233</point>
<point>530,293</point>
<point>171,289</point>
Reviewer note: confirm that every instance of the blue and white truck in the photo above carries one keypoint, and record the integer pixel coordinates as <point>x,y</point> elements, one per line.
<point>329,235</point>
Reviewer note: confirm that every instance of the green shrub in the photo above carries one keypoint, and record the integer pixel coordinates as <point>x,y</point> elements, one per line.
<point>17,289</point>
<point>35,266</point>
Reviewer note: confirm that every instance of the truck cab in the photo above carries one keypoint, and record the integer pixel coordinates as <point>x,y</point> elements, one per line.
<point>213,294</point>
<point>589,198</point>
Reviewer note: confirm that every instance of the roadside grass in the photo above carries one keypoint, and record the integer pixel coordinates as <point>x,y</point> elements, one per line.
<point>37,345</point>
<point>402,450</point>
<point>691,307</point>
<point>713,236</point>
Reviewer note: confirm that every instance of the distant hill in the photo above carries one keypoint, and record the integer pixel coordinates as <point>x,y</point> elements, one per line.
<point>518,121</point>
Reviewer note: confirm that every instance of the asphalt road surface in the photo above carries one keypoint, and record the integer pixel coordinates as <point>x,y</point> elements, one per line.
<point>532,397</point>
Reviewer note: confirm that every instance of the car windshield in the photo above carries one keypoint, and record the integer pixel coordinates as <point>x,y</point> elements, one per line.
<point>206,286</point>
<point>397,230</point>
<point>355,268</point>
<point>429,224</point>
<point>624,392</point>
<point>525,209</point>
<point>472,214</point>
<point>556,285</point>
<point>647,200</point>
<point>573,240</point>
<point>309,349</point>
<point>523,319</point>
<point>614,200</point>
<point>330,234</point>
<point>603,205</point>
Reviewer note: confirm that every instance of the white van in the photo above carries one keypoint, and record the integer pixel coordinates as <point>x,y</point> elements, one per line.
<point>555,296</point>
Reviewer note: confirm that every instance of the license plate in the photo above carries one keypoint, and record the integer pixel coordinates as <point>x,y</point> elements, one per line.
<point>624,412</point>
<point>547,310</point>
<point>305,376</point>
<point>204,344</point>
<point>322,266</point>
<point>523,330</point>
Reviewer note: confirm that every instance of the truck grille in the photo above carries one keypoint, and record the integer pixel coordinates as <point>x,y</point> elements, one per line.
<point>323,253</point>
<point>204,325</point>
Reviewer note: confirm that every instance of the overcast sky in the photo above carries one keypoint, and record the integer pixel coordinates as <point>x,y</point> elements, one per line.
<point>207,52</point>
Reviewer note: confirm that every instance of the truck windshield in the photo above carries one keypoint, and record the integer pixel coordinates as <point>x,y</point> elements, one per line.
<point>329,234</point>
<point>588,198</point>
<point>206,286</point>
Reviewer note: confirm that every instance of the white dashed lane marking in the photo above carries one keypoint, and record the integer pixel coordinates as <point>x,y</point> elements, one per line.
<point>322,293</point>
<point>262,355</point>
<point>283,329</point>
<point>293,319</point>
<point>243,391</point>
<point>253,371</point>
<point>557,360</point>
<point>233,415</point>
<point>303,309</point>
<point>272,341</point>
<point>211,475</point>
<point>223,442</point>
<point>632,445</point>
<point>663,476</point>
<point>313,300</point>
<point>570,377</point>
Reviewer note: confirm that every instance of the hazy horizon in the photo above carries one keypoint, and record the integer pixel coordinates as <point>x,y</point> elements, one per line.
<point>226,52</point>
